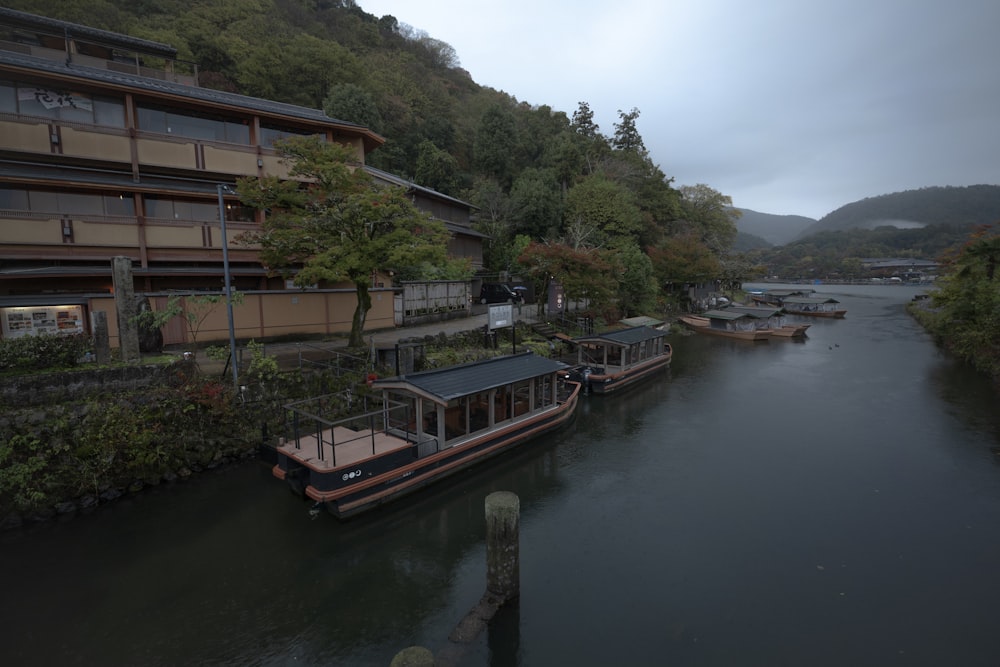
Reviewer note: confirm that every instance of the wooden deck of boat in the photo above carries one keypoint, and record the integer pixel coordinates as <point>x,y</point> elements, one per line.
<point>350,447</point>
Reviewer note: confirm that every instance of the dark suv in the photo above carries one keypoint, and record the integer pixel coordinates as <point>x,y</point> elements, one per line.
<point>497,293</point>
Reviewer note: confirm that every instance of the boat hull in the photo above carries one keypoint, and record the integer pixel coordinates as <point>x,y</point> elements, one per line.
<point>356,488</point>
<point>607,383</point>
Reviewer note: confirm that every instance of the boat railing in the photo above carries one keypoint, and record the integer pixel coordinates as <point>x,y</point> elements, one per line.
<point>320,423</point>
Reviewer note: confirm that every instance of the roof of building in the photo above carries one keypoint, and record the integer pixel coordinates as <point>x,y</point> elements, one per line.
<point>163,88</point>
<point>623,337</point>
<point>410,185</point>
<point>445,384</point>
<point>17,19</point>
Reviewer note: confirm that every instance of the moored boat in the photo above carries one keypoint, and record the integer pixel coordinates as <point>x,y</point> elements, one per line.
<point>612,360</point>
<point>424,427</point>
<point>813,306</point>
<point>730,324</point>
<point>772,321</point>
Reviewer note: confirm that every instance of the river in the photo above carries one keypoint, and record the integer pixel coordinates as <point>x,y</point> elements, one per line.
<point>828,502</point>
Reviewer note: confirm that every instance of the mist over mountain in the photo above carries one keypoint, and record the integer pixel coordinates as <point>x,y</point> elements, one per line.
<point>912,209</point>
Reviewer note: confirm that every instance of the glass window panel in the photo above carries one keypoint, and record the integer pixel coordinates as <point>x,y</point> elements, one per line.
<point>109,112</point>
<point>204,212</point>
<point>122,204</point>
<point>8,97</point>
<point>80,204</point>
<point>14,199</point>
<point>34,101</point>
<point>152,120</point>
<point>157,207</point>
<point>43,202</point>
<point>238,133</point>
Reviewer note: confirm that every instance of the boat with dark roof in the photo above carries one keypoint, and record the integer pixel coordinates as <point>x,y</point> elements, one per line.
<point>612,360</point>
<point>422,428</point>
<point>726,324</point>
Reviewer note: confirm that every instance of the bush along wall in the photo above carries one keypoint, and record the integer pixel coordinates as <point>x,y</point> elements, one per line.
<point>112,439</point>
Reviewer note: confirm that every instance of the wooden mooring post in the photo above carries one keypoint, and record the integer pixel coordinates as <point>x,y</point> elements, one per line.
<point>503,583</point>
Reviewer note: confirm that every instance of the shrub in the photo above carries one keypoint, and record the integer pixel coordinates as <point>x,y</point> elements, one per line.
<point>30,353</point>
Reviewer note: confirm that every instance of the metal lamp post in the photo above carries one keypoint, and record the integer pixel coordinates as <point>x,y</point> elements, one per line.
<point>229,290</point>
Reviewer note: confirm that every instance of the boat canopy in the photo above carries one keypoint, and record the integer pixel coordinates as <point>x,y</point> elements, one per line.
<point>446,384</point>
<point>762,313</point>
<point>623,337</point>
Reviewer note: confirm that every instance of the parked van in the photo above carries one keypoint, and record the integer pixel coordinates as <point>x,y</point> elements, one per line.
<point>497,293</point>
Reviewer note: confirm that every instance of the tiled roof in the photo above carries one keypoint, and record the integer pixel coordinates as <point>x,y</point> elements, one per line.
<point>162,87</point>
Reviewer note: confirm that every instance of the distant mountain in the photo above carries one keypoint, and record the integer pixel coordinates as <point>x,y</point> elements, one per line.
<point>775,229</point>
<point>947,205</point>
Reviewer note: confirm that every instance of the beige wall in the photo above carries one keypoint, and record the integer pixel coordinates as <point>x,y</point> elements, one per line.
<point>88,143</point>
<point>269,315</point>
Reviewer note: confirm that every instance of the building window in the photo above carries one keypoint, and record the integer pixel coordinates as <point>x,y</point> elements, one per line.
<point>271,133</point>
<point>189,210</point>
<point>65,105</point>
<point>74,204</point>
<point>193,126</point>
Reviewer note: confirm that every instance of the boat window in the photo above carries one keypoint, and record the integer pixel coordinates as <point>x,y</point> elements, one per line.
<point>479,412</point>
<point>543,391</point>
<point>522,397</point>
<point>614,355</point>
<point>501,404</point>
<point>429,418</point>
<point>456,418</point>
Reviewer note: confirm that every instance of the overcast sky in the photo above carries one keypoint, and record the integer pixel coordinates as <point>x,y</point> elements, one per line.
<point>787,106</point>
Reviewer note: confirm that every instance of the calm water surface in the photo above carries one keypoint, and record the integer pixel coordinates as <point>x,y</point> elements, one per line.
<point>828,502</point>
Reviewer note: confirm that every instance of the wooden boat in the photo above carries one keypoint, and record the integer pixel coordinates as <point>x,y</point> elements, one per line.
<point>726,324</point>
<point>424,427</point>
<point>813,306</point>
<point>772,321</point>
<point>775,297</point>
<point>612,360</point>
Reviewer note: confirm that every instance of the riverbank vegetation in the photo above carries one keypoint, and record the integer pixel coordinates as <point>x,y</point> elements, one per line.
<point>963,314</point>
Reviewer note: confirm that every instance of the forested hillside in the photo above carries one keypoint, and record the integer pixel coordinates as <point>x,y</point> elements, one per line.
<point>556,194</point>
<point>775,229</point>
<point>953,206</point>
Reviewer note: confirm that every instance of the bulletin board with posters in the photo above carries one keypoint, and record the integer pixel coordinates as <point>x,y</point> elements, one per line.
<point>39,320</point>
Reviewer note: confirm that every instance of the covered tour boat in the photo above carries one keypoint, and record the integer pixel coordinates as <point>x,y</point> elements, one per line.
<point>422,428</point>
<point>772,321</point>
<point>727,324</point>
<point>609,361</point>
<point>813,306</point>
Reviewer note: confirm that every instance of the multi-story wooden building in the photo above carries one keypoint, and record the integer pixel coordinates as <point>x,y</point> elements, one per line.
<point>109,148</point>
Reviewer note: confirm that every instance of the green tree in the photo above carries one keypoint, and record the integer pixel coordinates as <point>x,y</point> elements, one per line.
<point>636,280</point>
<point>627,137</point>
<point>436,168</point>
<point>603,208</point>
<point>584,273</point>
<point>710,215</point>
<point>351,102</point>
<point>535,203</point>
<point>968,303</point>
<point>338,225</point>
<point>683,259</point>
<point>495,144</point>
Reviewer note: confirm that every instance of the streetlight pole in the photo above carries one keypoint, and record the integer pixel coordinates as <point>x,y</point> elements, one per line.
<point>229,290</point>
